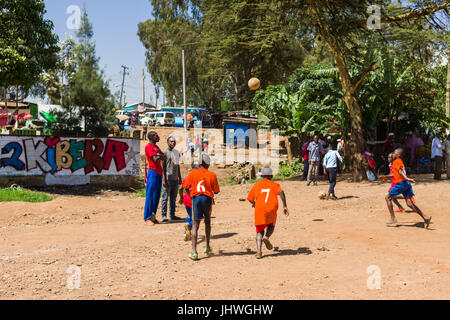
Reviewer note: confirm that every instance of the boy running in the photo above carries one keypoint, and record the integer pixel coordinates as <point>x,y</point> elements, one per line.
<point>391,176</point>
<point>204,186</point>
<point>263,197</point>
<point>402,186</point>
<point>185,199</point>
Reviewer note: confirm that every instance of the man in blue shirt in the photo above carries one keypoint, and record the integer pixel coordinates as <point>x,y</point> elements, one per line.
<point>315,151</point>
<point>330,165</point>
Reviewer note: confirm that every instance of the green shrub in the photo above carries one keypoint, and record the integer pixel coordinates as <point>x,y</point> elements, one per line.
<point>289,171</point>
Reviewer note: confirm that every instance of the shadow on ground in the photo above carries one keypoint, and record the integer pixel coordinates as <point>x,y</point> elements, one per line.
<point>420,225</point>
<point>83,190</point>
<point>277,252</point>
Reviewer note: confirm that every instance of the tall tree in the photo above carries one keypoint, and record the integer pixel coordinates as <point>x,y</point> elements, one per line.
<point>28,45</point>
<point>340,23</point>
<point>88,97</point>
<point>226,43</point>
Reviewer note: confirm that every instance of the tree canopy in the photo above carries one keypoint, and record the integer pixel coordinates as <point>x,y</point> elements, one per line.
<point>88,95</point>
<point>28,45</point>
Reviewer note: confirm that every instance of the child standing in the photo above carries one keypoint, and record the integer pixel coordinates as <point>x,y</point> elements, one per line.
<point>185,199</point>
<point>371,161</point>
<point>264,198</point>
<point>402,186</point>
<point>203,185</point>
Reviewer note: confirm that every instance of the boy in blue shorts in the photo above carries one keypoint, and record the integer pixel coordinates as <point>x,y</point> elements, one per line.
<point>203,185</point>
<point>185,199</point>
<point>402,186</point>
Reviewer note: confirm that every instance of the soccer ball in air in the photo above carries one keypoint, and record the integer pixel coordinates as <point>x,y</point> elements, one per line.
<point>254,84</point>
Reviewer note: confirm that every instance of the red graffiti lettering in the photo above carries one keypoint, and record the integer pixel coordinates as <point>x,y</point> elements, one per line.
<point>115,150</point>
<point>92,153</point>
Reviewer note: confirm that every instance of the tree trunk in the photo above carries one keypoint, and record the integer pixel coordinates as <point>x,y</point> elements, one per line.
<point>288,149</point>
<point>357,142</point>
<point>447,100</point>
<point>5,92</point>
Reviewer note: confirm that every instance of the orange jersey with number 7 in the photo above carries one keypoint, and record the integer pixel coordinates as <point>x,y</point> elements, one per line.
<point>202,182</point>
<point>265,195</point>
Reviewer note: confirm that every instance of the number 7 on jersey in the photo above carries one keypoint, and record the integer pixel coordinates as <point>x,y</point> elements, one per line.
<point>266,191</point>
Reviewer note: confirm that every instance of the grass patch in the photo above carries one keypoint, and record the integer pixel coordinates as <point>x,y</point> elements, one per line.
<point>140,191</point>
<point>23,195</point>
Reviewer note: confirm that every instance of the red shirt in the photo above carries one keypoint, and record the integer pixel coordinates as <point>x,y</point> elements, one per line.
<point>150,151</point>
<point>187,201</point>
<point>305,151</point>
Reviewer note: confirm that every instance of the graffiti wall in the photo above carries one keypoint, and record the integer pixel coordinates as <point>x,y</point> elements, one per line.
<point>68,159</point>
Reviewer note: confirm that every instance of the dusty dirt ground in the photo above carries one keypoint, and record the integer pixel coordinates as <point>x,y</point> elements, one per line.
<point>322,251</point>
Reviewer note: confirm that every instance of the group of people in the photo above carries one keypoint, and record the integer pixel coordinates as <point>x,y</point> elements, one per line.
<point>200,143</point>
<point>317,154</point>
<point>198,188</point>
<point>439,150</point>
<point>197,193</point>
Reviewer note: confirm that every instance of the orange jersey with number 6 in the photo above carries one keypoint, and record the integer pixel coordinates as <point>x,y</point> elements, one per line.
<point>265,195</point>
<point>202,182</point>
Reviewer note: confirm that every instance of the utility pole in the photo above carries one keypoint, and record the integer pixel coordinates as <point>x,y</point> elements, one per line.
<point>62,88</point>
<point>184,94</point>
<point>123,82</point>
<point>143,88</point>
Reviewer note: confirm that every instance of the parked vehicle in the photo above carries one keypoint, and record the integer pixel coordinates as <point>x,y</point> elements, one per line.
<point>161,118</point>
<point>121,112</point>
<point>147,121</point>
<point>200,117</point>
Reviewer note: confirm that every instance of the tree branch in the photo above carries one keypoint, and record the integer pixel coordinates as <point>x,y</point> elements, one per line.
<point>361,77</point>
<point>427,10</point>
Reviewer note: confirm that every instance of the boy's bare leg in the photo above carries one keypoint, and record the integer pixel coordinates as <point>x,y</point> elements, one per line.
<point>391,209</point>
<point>208,231</point>
<point>397,203</point>
<point>266,240</point>
<point>259,237</point>
<point>416,209</point>
<point>194,235</point>
<point>270,230</point>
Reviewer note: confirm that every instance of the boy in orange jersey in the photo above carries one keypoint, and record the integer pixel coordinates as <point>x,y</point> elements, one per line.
<point>402,186</point>
<point>204,185</point>
<point>264,198</point>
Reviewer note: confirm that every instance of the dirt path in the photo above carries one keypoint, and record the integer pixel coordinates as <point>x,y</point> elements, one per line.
<point>322,251</point>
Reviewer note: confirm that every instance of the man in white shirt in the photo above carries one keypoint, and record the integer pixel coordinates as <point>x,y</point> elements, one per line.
<point>330,165</point>
<point>437,155</point>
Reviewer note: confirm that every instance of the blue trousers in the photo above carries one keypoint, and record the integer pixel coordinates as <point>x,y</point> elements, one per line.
<point>189,218</point>
<point>152,194</point>
<point>332,178</point>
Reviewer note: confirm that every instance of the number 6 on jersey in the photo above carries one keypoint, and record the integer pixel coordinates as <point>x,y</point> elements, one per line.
<point>201,187</point>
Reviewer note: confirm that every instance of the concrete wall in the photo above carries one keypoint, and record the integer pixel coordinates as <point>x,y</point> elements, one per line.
<point>43,161</point>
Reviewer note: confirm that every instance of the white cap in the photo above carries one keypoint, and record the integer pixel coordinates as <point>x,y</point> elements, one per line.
<point>266,171</point>
<point>391,134</point>
<point>206,159</point>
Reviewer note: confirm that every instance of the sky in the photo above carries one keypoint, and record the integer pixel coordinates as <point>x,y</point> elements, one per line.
<point>115,34</point>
